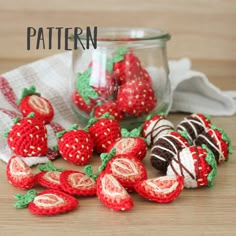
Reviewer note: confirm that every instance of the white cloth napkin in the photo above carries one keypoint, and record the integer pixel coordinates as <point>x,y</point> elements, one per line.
<point>191,92</point>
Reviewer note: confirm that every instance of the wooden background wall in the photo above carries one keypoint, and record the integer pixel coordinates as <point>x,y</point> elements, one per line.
<point>200,29</point>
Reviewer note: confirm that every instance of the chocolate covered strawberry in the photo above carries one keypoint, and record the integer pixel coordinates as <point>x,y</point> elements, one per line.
<point>28,137</point>
<point>81,104</point>
<point>77,183</point>
<point>19,173</point>
<point>155,127</point>
<point>128,170</point>
<point>111,107</point>
<point>75,146</point>
<point>162,189</point>
<point>47,202</point>
<point>103,131</point>
<point>217,141</point>
<point>193,125</point>
<point>112,194</point>
<point>31,101</point>
<point>136,98</point>
<point>196,164</point>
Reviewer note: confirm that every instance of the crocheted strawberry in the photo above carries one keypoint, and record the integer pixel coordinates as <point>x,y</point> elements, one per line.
<point>81,104</point>
<point>111,107</point>
<point>165,148</point>
<point>127,170</point>
<point>196,164</point>
<point>112,194</point>
<point>48,202</point>
<point>19,173</point>
<point>130,144</point>
<point>75,146</point>
<point>136,98</point>
<point>31,101</point>
<point>217,141</point>
<point>162,189</point>
<point>75,182</point>
<point>103,131</point>
<point>50,176</point>
<point>193,125</point>
<point>28,137</point>
<point>154,127</point>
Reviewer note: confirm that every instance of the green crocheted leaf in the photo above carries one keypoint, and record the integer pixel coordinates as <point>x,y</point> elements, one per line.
<point>210,159</point>
<point>120,55</point>
<point>16,120</point>
<point>207,117</point>
<point>23,200</point>
<point>31,115</point>
<point>133,133</point>
<point>74,127</point>
<point>49,167</point>
<point>185,135</point>
<point>88,170</point>
<point>27,92</point>
<point>60,134</point>
<point>109,65</point>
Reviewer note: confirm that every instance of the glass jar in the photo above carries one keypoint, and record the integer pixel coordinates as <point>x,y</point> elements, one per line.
<point>126,75</point>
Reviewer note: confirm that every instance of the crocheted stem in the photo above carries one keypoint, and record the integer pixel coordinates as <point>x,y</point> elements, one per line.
<point>27,92</point>
<point>23,200</point>
<point>49,167</point>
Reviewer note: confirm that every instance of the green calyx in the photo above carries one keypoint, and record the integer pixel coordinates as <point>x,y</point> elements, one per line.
<point>225,137</point>
<point>133,133</point>
<point>61,133</point>
<point>210,159</point>
<point>207,117</point>
<point>27,92</point>
<point>31,115</point>
<point>84,88</point>
<point>119,55</point>
<point>15,121</point>
<point>185,135</point>
<point>23,200</point>
<point>105,157</point>
<point>49,167</point>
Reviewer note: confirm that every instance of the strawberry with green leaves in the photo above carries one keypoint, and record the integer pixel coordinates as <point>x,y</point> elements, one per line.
<point>47,202</point>
<point>32,101</point>
<point>19,173</point>
<point>75,146</point>
<point>28,137</point>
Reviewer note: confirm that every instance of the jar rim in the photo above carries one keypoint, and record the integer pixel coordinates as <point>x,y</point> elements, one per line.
<point>123,34</point>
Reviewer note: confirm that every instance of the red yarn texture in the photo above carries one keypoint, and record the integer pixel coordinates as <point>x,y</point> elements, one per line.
<point>28,138</point>
<point>103,133</point>
<point>41,107</point>
<point>75,182</point>
<point>52,202</point>
<point>19,173</point>
<point>112,194</point>
<point>161,189</point>
<point>134,147</point>
<point>49,179</point>
<point>127,170</point>
<point>76,146</point>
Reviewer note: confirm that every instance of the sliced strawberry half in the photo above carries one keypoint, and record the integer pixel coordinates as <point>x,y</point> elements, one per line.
<point>19,173</point>
<point>112,194</point>
<point>127,170</point>
<point>75,182</point>
<point>162,189</point>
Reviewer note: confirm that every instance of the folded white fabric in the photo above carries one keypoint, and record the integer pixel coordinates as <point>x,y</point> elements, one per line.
<point>190,92</point>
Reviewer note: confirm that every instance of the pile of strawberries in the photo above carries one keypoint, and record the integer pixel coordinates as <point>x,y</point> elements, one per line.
<point>121,155</point>
<point>121,87</point>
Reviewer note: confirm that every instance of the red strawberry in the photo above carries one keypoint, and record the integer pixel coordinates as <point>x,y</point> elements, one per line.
<point>48,202</point>
<point>112,194</point>
<point>81,104</point>
<point>196,164</point>
<point>74,182</point>
<point>127,170</point>
<point>19,173</point>
<point>111,107</point>
<point>156,127</point>
<point>75,146</point>
<point>162,189</point>
<point>136,98</point>
<point>31,101</point>
<point>130,146</point>
<point>103,131</point>
<point>28,137</point>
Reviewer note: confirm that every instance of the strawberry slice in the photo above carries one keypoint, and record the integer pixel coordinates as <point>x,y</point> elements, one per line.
<point>127,170</point>
<point>48,202</point>
<point>162,189</point>
<point>75,182</point>
<point>19,173</point>
<point>112,194</point>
